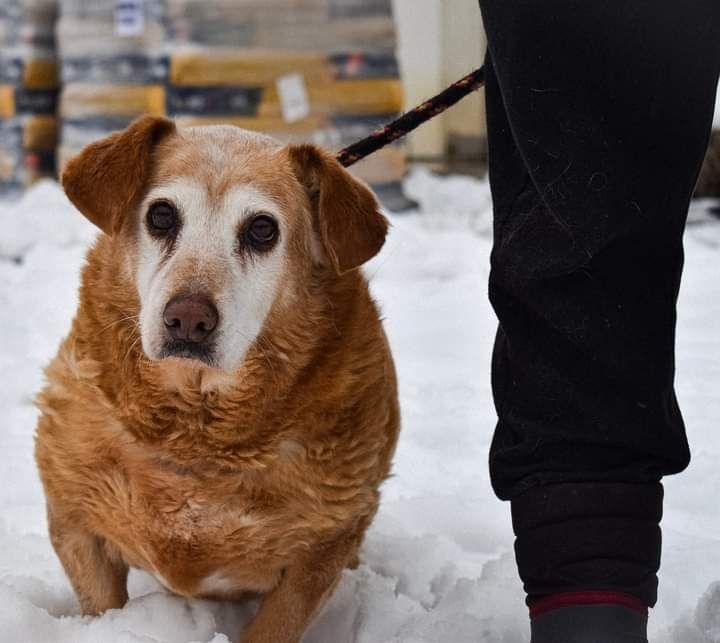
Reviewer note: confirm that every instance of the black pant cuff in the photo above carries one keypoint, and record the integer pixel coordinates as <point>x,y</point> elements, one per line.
<point>603,536</point>
<point>590,624</point>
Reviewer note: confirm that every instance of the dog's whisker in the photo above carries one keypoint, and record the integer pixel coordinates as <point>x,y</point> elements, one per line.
<point>134,318</point>
<point>132,346</point>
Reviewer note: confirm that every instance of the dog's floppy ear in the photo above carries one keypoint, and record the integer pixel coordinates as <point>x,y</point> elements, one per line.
<point>107,178</point>
<point>347,215</point>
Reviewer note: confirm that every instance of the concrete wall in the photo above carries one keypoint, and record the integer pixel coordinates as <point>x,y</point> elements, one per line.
<point>439,42</point>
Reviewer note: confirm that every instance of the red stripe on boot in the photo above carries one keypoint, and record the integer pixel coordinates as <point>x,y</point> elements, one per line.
<point>558,601</point>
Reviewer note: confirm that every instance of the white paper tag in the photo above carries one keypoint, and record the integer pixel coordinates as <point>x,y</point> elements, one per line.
<point>129,17</point>
<point>294,101</point>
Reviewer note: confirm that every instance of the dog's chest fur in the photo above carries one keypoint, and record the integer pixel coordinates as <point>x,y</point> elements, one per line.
<point>206,533</point>
<point>228,519</point>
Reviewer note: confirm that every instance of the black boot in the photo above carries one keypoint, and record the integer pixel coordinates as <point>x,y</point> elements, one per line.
<point>590,624</point>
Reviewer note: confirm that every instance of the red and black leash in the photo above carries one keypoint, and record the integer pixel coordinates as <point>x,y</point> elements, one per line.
<point>412,119</point>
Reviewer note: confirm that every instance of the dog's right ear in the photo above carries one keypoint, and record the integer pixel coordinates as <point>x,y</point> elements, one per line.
<point>107,178</point>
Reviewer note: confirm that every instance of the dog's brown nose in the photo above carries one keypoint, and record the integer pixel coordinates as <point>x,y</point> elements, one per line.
<point>190,317</point>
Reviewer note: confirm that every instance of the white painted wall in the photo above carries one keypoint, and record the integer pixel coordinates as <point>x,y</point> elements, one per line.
<point>463,50</point>
<point>439,42</point>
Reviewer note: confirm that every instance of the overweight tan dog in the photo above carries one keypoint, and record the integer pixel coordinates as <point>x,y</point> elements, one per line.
<point>224,409</point>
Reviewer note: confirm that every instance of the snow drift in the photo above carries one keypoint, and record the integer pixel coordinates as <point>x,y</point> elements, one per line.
<point>437,566</point>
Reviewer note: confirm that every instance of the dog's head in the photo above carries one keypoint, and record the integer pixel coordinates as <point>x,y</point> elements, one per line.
<point>216,227</point>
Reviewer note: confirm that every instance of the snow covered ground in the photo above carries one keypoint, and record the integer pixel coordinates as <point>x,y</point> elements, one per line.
<point>437,564</point>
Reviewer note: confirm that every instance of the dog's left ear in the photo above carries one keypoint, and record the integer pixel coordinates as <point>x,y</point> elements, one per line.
<point>107,178</point>
<point>347,214</point>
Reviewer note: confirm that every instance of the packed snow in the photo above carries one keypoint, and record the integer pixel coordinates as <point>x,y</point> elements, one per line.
<point>437,566</point>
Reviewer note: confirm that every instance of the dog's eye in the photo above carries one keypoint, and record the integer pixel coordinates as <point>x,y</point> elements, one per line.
<point>262,232</point>
<point>162,218</point>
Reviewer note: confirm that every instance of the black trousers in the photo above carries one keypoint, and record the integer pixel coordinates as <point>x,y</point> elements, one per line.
<point>598,118</point>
